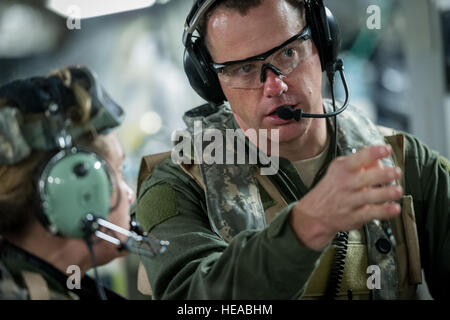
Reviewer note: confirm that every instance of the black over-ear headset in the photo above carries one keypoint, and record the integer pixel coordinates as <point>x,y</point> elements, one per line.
<point>204,80</point>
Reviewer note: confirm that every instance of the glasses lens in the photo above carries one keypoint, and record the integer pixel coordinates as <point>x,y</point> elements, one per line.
<point>287,58</point>
<point>247,75</point>
<point>241,75</point>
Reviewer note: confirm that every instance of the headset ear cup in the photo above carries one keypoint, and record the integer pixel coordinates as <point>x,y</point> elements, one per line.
<point>325,31</point>
<point>72,185</point>
<point>334,47</point>
<point>313,23</point>
<point>201,77</point>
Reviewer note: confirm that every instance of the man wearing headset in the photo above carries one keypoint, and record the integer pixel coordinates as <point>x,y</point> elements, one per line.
<point>361,225</point>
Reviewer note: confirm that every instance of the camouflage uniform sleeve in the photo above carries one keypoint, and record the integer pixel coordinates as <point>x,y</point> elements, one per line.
<point>267,264</point>
<point>427,178</point>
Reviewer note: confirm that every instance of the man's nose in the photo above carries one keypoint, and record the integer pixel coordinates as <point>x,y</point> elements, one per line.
<point>274,84</point>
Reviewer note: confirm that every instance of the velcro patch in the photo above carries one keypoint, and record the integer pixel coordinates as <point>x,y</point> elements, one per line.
<point>158,204</point>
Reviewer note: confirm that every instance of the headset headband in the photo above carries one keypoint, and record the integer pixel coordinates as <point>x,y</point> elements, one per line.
<point>196,60</point>
<point>194,17</point>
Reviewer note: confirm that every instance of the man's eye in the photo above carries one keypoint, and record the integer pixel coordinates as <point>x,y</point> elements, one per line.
<point>289,52</point>
<point>241,70</point>
<point>246,68</point>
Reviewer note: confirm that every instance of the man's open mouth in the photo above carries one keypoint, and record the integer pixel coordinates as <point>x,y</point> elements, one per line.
<point>282,107</point>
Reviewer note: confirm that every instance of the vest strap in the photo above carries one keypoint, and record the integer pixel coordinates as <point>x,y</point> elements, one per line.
<point>37,286</point>
<point>280,203</point>
<point>143,284</point>
<point>148,164</point>
<point>193,171</point>
<point>397,142</point>
<point>412,241</point>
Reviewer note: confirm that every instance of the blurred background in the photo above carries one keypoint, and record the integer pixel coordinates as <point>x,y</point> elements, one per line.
<point>396,54</point>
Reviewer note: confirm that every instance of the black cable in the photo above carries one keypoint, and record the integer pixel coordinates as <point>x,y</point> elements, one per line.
<point>337,270</point>
<point>100,289</point>
<point>338,67</point>
<point>341,238</point>
<point>335,120</point>
<point>87,239</point>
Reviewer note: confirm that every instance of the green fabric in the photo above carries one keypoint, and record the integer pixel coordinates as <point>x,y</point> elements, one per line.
<point>427,179</point>
<point>200,265</point>
<point>272,263</point>
<point>161,201</point>
<point>443,161</point>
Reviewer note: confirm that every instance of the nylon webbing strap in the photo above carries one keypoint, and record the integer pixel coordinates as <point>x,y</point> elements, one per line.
<point>143,284</point>
<point>36,285</point>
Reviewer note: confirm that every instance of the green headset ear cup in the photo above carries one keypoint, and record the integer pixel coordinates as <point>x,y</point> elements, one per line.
<point>73,184</point>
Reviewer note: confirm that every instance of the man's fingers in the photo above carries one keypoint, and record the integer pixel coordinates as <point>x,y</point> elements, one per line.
<point>370,196</point>
<point>379,212</point>
<point>366,157</point>
<point>376,164</point>
<point>375,176</point>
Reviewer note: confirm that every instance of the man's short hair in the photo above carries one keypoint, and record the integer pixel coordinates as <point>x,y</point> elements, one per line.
<point>241,6</point>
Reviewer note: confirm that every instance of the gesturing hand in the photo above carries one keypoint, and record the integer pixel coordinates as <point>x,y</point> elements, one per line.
<point>355,190</point>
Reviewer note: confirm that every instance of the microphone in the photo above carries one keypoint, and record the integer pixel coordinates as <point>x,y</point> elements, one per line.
<point>137,242</point>
<point>287,113</point>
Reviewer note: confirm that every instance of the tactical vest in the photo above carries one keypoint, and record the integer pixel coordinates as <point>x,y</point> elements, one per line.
<point>35,287</point>
<point>234,204</point>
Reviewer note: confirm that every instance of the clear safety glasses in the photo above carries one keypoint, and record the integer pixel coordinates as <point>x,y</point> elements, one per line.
<point>246,74</point>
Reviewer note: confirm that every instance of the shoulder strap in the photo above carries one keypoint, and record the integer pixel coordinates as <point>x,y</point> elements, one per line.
<point>37,286</point>
<point>143,284</point>
<point>193,171</point>
<point>148,164</point>
<point>276,196</point>
<point>397,142</point>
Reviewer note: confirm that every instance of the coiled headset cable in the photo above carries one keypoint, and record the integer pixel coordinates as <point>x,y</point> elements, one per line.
<point>337,270</point>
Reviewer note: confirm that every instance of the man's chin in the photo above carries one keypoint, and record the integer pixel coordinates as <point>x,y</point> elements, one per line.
<point>292,131</point>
